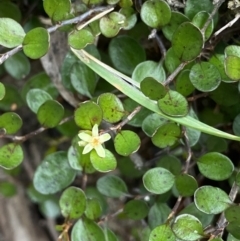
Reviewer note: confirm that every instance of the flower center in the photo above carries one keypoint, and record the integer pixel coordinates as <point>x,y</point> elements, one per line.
<point>95,141</point>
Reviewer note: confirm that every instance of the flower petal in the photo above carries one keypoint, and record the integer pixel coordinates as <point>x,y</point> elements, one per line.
<point>87,149</point>
<point>100,150</point>
<point>85,137</point>
<point>104,137</point>
<point>82,143</point>
<point>95,130</point>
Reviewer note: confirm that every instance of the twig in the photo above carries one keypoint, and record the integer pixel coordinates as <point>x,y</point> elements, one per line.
<point>222,222</point>
<point>214,11</point>
<point>237,16</point>
<point>161,46</point>
<point>78,19</point>
<point>33,133</point>
<point>175,73</point>
<point>125,121</point>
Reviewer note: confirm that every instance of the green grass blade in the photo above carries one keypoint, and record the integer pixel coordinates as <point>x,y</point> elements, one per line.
<point>118,80</point>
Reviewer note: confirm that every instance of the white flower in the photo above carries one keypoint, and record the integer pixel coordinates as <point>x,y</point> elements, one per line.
<point>93,141</point>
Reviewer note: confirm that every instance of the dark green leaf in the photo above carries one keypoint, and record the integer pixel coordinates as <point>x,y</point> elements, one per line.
<point>187,41</point>
<point>186,185</point>
<point>36,97</point>
<point>121,51</point>
<point>50,113</point>
<point>21,66</point>
<point>163,232</point>
<point>136,209</point>
<point>72,203</point>
<point>112,186</point>
<point>86,230</point>
<point>53,174</point>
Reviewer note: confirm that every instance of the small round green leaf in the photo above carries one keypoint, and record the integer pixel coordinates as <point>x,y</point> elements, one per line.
<point>129,106</point>
<point>112,107</point>
<point>87,115</point>
<point>151,123</point>
<point>187,227</point>
<point>11,156</point>
<point>152,88</point>
<point>121,51</point>
<point>206,219</point>
<point>136,209</point>
<point>230,93</point>
<point>171,163</point>
<point>12,33</point>
<point>155,13</point>
<point>83,79</point>
<point>36,43</point>
<point>50,113</point>
<point>57,10</point>
<point>232,68</point>
<point>205,76</point>
<point>218,60</point>
<point>200,19</point>
<point>166,135</point>
<point>73,159</point>
<point>126,142</point>
<point>10,10</point>
<point>158,214</point>
<point>232,50</point>
<point>94,209</point>
<point>112,186</point>
<point>163,232</point>
<point>215,166</point>
<point>231,238</point>
<point>53,174</point>
<point>171,60</point>
<point>21,66</point>
<point>103,164</point>
<point>11,122</point>
<point>232,214</point>
<point>2,91</point>
<point>233,229</point>
<point>111,24</point>
<point>211,200</point>
<point>72,203</point>
<point>40,81</point>
<point>186,185</point>
<point>86,230</point>
<point>149,69</point>
<point>131,17</point>
<point>35,98</point>
<point>187,42</point>
<point>183,84</point>
<point>177,18</point>
<point>158,180</point>
<point>173,104</point>
<point>194,6</point>
<point>81,38</point>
